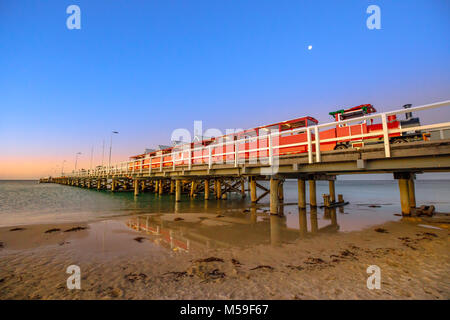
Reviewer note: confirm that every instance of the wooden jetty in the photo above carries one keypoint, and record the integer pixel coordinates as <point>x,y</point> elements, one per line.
<point>202,175</point>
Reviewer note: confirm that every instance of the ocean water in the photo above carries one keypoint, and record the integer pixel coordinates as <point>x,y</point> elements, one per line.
<point>28,202</point>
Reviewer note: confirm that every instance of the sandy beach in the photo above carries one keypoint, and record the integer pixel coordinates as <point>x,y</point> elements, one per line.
<point>118,262</point>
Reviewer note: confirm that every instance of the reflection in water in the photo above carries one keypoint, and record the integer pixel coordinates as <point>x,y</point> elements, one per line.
<point>314,222</point>
<point>302,221</point>
<point>252,227</point>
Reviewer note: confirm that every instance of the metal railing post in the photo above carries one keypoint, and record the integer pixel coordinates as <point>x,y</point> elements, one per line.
<point>387,150</point>
<point>270,150</point>
<point>209,157</point>
<point>310,155</point>
<point>236,153</point>
<point>317,139</point>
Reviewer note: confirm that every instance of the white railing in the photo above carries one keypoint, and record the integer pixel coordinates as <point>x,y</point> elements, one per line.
<point>269,152</point>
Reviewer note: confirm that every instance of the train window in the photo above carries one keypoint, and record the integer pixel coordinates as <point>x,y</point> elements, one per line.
<point>293,125</point>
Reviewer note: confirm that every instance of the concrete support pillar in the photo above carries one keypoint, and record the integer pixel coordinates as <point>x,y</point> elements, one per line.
<point>206,189</point>
<point>136,187</point>
<point>404,196</point>
<point>253,189</point>
<point>274,184</point>
<point>160,187</point>
<point>412,193</point>
<point>177,190</point>
<point>172,186</point>
<point>301,193</point>
<point>312,193</point>
<point>332,191</point>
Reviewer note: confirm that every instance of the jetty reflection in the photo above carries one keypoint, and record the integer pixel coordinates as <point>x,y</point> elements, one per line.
<point>254,226</point>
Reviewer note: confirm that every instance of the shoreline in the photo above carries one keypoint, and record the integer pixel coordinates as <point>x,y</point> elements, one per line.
<point>414,263</point>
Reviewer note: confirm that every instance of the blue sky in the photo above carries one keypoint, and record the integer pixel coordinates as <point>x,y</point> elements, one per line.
<point>145,68</point>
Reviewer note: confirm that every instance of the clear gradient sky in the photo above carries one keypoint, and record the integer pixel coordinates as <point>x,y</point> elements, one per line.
<point>145,68</point>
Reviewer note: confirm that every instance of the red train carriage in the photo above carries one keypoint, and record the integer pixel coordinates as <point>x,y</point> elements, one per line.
<point>366,132</point>
<point>253,143</point>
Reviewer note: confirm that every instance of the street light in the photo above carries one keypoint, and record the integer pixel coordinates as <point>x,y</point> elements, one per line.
<point>110,146</point>
<point>76,160</point>
<point>62,168</point>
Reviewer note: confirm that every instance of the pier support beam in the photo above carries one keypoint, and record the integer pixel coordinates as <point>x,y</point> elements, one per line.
<point>312,193</point>
<point>177,190</point>
<point>301,193</point>
<point>113,185</point>
<point>404,179</point>
<point>332,191</point>
<point>206,189</point>
<point>99,184</point>
<point>193,187</point>
<point>280,191</point>
<point>219,189</point>
<point>143,185</point>
<point>160,187</point>
<point>412,193</point>
<point>172,186</point>
<point>404,196</point>
<point>136,187</point>
<point>253,189</point>
<point>243,188</point>
<point>274,203</point>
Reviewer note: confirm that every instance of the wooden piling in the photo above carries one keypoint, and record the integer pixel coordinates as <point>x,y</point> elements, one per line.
<point>404,196</point>
<point>206,189</point>
<point>177,190</point>
<point>113,185</point>
<point>411,193</point>
<point>193,187</point>
<point>172,186</point>
<point>301,193</point>
<point>243,188</point>
<point>253,189</point>
<point>136,187</point>
<point>312,193</point>
<point>160,187</point>
<point>280,191</point>
<point>332,188</point>
<point>274,184</point>
<point>219,189</point>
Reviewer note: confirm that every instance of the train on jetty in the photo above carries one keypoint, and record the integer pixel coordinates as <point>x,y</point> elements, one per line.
<point>292,139</point>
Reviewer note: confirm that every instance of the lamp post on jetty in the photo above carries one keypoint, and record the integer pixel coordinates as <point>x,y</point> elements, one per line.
<point>110,147</point>
<point>76,159</point>
<point>62,167</point>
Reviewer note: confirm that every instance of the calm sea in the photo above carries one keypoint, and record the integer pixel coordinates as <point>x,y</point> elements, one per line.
<point>27,202</point>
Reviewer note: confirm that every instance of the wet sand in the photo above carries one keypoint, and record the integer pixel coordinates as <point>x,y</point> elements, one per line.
<point>118,262</point>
